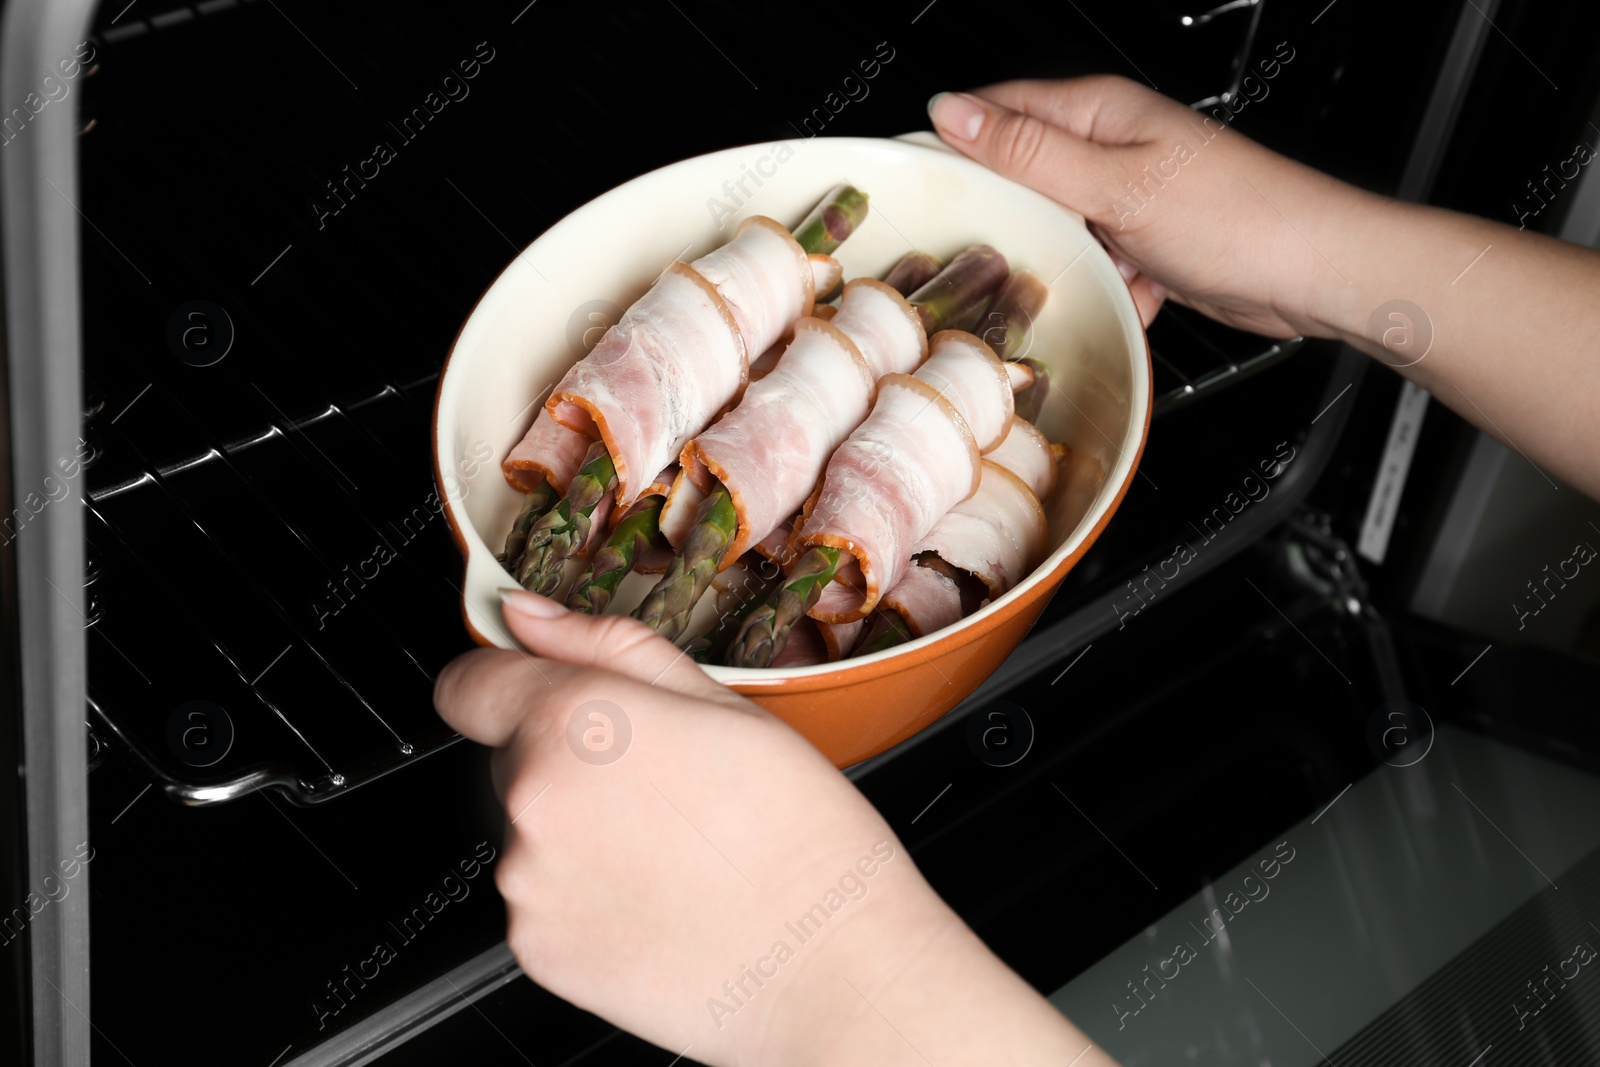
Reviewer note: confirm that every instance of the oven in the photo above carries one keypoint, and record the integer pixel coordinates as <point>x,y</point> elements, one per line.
<point>239,236</point>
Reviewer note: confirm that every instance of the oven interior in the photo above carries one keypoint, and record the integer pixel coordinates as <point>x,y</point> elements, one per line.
<point>264,322</point>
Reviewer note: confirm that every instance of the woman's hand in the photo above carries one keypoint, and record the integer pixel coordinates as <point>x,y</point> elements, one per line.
<point>1498,323</point>
<point>688,867</point>
<point>1186,206</point>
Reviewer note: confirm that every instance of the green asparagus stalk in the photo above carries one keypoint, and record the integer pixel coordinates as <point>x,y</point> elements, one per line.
<point>766,629</point>
<point>666,609</point>
<point>565,528</point>
<point>835,218</point>
<point>535,504</point>
<point>959,293</point>
<point>912,272</point>
<point>614,559</point>
<point>711,647</point>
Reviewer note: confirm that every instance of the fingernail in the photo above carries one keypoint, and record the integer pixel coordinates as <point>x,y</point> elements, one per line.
<point>1158,292</point>
<point>1124,268</point>
<point>531,605</point>
<point>957,114</point>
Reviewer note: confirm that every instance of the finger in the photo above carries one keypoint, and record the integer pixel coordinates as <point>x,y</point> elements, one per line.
<point>485,694</point>
<point>1106,109</point>
<point>1148,296</point>
<point>1063,166</point>
<point>612,642</point>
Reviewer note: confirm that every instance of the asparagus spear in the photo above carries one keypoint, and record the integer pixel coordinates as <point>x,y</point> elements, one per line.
<point>612,562</point>
<point>960,291</point>
<point>535,504</point>
<point>766,629</point>
<point>565,528</point>
<point>912,272</point>
<point>711,647</point>
<point>668,606</point>
<point>1008,328</point>
<point>834,218</point>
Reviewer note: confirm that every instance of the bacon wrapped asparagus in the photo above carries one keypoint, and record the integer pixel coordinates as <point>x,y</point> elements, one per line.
<point>981,548</point>
<point>912,460</point>
<point>761,460</point>
<point>680,354</point>
<point>541,466</point>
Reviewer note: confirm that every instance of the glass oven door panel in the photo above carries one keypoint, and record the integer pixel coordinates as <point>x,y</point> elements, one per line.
<point>1416,908</point>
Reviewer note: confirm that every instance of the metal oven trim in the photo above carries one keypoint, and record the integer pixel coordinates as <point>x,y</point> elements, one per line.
<point>39,220</point>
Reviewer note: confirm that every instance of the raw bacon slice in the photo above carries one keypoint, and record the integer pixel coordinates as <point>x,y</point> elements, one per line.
<point>768,451</point>
<point>677,514</point>
<point>771,449</point>
<point>549,451</point>
<point>1021,375</point>
<point>924,599</point>
<point>656,378</point>
<point>775,546</point>
<point>967,372</point>
<point>839,638</point>
<point>765,277</point>
<point>806,647</point>
<point>1026,453</point>
<point>826,274</point>
<point>884,327</point>
<point>998,535</point>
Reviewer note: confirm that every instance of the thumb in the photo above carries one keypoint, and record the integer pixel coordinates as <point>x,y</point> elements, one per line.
<point>1069,169</point>
<point>615,643</point>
